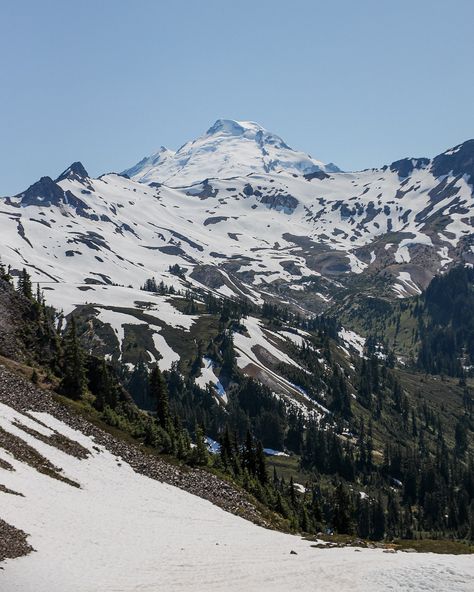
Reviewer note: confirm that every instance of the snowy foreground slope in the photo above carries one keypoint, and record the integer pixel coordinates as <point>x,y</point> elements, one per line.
<point>121,531</point>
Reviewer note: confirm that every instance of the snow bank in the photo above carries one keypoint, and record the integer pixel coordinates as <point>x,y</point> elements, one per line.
<point>352,339</point>
<point>123,532</point>
<point>207,376</point>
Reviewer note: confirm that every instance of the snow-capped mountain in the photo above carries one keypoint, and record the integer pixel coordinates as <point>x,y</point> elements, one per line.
<point>263,232</point>
<point>228,149</point>
<point>304,239</point>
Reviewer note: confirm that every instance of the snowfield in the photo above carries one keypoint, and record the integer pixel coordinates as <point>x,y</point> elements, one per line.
<point>240,200</point>
<point>123,532</point>
<point>229,148</point>
<point>208,376</point>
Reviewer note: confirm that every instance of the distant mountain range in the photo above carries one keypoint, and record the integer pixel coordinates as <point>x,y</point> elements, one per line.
<point>243,215</point>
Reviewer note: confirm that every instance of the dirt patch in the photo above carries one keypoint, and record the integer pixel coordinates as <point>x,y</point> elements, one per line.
<point>12,542</point>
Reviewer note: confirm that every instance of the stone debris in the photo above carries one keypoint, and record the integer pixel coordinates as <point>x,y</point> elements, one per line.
<point>12,542</point>
<point>24,397</point>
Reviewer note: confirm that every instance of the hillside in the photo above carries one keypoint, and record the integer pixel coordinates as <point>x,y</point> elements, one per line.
<point>130,530</point>
<point>287,341</point>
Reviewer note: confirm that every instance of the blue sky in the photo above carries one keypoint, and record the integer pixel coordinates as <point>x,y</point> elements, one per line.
<point>360,83</point>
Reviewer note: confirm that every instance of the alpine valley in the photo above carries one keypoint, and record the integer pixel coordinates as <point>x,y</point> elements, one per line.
<point>286,340</point>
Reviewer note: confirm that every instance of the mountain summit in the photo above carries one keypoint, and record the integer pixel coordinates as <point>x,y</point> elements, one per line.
<point>229,148</point>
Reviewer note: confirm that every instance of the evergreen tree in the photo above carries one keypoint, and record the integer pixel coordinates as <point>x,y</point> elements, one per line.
<point>24,285</point>
<point>461,437</point>
<point>226,452</point>
<point>158,391</point>
<point>377,520</point>
<point>200,453</point>
<point>261,465</point>
<point>248,455</point>
<point>100,384</point>
<point>34,376</point>
<point>5,273</point>
<point>393,516</point>
<point>138,385</point>
<point>471,522</point>
<point>73,383</point>
<point>342,510</point>
<point>228,355</point>
<point>363,518</point>
<point>291,491</point>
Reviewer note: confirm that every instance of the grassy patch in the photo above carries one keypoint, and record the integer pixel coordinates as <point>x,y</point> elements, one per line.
<point>435,546</point>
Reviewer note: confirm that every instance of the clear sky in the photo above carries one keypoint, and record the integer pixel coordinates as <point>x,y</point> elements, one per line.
<point>360,83</point>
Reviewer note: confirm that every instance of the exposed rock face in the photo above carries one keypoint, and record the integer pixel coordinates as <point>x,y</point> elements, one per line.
<point>47,193</point>
<point>406,166</point>
<point>76,172</point>
<point>316,175</point>
<point>457,161</point>
<point>44,192</point>
<point>288,203</point>
<point>208,275</point>
<point>207,190</point>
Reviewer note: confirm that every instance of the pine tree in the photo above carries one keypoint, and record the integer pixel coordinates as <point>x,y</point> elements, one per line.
<point>39,296</point>
<point>73,383</point>
<point>197,362</point>
<point>261,465</point>
<point>5,273</point>
<point>363,518</point>
<point>100,384</point>
<point>24,285</point>
<point>34,376</point>
<point>341,400</point>
<point>248,454</point>
<point>200,453</point>
<point>461,437</point>
<point>471,522</point>
<point>316,512</point>
<point>377,520</point>
<point>138,385</point>
<point>159,393</point>
<point>226,452</point>
<point>393,516</point>
<point>291,491</point>
<point>342,510</point>
<point>304,519</point>
<point>228,355</point>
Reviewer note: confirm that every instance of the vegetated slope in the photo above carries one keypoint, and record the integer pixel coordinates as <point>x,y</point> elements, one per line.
<point>120,530</point>
<point>432,331</point>
<point>381,454</point>
<point>196,303</point>
<point>272,231</point>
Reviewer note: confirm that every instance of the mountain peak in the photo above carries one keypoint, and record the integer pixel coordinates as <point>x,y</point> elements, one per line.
<point>229,148</point>
<point>75,172</point>
<point>456,161</point>
<point>149,163</point>
<point>43,192</point>
<point>249,130</point>
<point>233,127</point>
